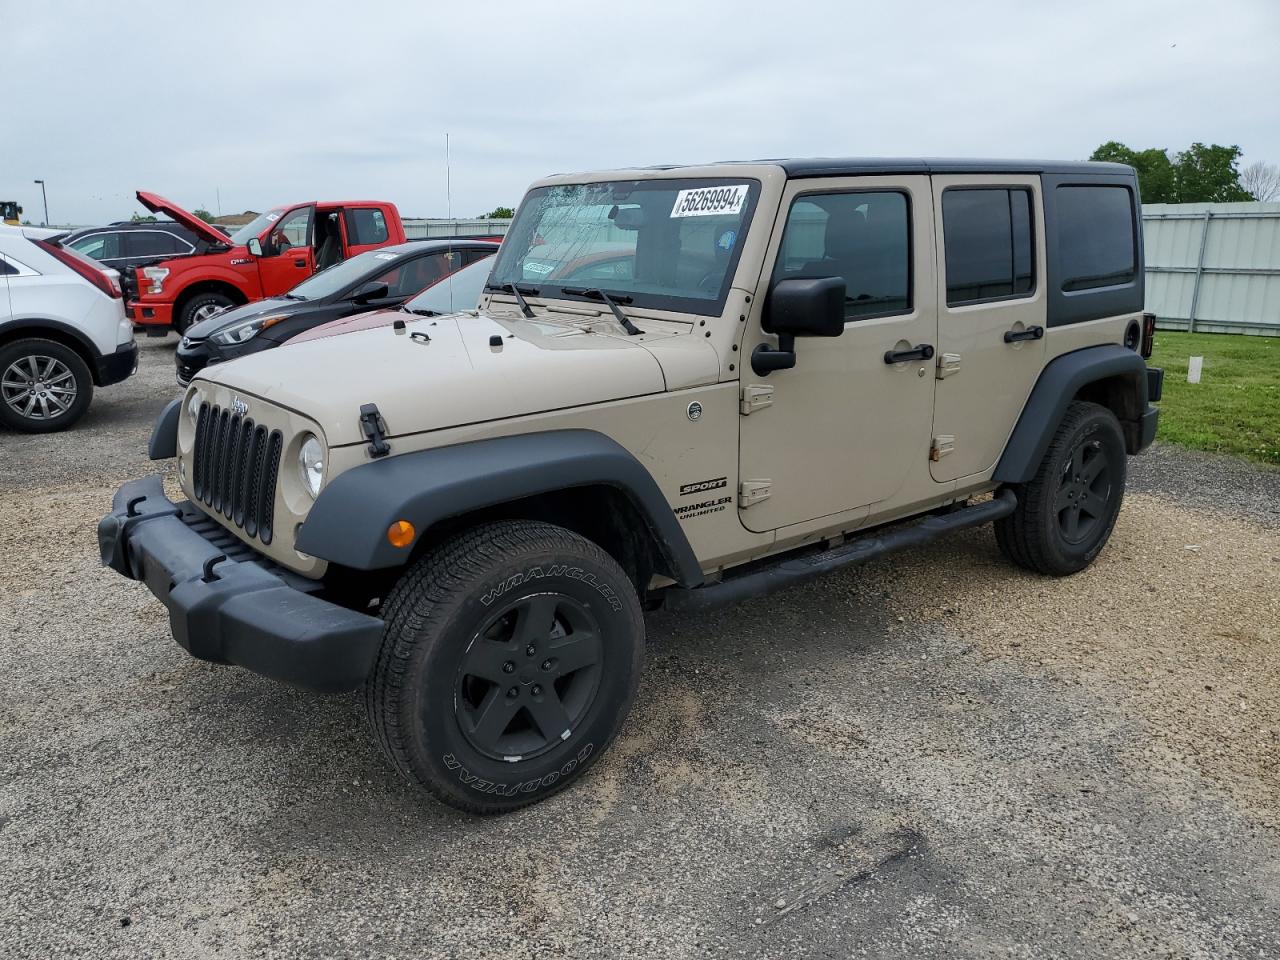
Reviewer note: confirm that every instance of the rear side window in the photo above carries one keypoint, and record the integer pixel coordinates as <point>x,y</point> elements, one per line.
<point>153,243</point>
<point>865,238</point>
<point>366,225</point>
<point>99,246</point>
<point>1097,246</point>
<point>5,268</point>
<point>988,245</point>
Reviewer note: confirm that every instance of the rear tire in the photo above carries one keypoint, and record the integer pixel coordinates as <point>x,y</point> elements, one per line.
<point>510,657</point>
<point>200,307</point>
<point>44,386</point>
<point>1066,513</point>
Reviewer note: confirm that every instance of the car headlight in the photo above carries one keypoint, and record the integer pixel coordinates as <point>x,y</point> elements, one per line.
<point>157,277</point>
<point>311,465</point>
<point>242,332</point>
<point>193,408</point>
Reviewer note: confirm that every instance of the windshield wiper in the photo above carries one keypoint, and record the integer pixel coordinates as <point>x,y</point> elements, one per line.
<point>420,312</point>
<point>292,296</point>
<point>517,292</point>
<point>596,294</point>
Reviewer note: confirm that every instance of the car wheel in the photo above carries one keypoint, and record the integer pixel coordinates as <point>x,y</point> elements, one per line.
<point>510,657</point>
<point>201,307</point>
<point>1066,513</point>
<point>44,386</point>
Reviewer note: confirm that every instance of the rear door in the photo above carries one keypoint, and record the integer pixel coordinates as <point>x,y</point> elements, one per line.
<point>991,315</point>
<point>366,229</point>
<point>6,268</point>
<point>848,426</point>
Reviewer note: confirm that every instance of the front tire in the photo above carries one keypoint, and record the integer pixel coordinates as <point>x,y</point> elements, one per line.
<point>44,386</point>
<point>201,307</point>
<point>510,657</point>
<point>1066,513</point>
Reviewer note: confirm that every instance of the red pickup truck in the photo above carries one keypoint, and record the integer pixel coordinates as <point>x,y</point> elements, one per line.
<point>264,258</point>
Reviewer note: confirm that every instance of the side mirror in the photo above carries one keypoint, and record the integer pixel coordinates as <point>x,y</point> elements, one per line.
<point>255,246</point>
<point>798,308</point>
<point>372,290</point>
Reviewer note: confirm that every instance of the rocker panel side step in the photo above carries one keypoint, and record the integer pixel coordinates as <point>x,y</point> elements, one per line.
<point>797,569</point>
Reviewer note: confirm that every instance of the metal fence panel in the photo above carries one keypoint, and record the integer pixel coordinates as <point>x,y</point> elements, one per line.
<point>1213,267</point>
<point>427,228</point>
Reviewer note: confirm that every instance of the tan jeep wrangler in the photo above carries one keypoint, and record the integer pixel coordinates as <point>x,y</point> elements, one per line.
<point>683,386</point>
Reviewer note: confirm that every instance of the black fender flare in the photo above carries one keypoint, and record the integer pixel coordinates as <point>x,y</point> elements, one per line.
<point>349,521</point>
<point>1059,382</point>
<point>163,444</point>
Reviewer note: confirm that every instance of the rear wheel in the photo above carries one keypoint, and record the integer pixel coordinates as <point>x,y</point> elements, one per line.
<point>201,307</point>
<point>509,660</point>
<point>1066,513</point>
<point>44,386</point>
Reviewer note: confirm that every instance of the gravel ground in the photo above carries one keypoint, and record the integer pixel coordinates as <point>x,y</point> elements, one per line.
<point>935,755</point>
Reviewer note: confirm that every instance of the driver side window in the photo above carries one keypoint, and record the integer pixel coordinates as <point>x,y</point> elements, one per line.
<point>864,238</point>
<point>293,230</point>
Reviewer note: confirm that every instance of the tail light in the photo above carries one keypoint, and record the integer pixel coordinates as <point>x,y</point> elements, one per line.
<point>83,266</point>
<point>1148,334</point>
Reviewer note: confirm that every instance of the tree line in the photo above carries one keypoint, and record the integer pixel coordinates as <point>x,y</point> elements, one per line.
<point>1202,173</point>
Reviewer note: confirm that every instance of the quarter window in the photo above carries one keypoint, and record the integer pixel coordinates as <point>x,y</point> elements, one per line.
<point>366,225</point>
<point>864,238</point>
<point>1096,241</point>
<point>98,246</point>
<point>988,245</point>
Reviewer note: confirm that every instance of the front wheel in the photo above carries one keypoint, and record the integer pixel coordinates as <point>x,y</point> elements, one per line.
<point>1065,514</point>
<point>201,307</point>
<point>509,660</point>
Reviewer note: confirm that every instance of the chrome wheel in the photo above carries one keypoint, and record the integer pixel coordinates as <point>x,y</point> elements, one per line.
<point>38,387</point>
<point>205,312</point>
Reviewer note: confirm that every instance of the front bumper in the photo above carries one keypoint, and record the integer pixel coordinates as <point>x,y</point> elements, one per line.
<point>190,358</point>
<point>151,314</point>
<point>226,603</point>
<point>113,367</point>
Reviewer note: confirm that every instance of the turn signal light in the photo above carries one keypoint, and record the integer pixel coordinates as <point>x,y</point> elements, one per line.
<point>400,533</point>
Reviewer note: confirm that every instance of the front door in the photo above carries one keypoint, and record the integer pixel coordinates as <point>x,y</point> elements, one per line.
<point>847,425</point>
<point>287,258</point>
<point>991,319</point>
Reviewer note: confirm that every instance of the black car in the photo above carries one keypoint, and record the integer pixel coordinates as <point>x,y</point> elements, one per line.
<point>385,277</point>
<point>133,243</point>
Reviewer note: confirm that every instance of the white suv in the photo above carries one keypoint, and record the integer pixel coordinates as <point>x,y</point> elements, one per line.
<point>63,331</point>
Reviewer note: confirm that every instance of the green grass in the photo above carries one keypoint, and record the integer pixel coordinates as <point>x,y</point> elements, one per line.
<point>1235,408</point>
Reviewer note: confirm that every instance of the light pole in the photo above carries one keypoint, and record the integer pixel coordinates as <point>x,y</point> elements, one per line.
<point>45,197</point>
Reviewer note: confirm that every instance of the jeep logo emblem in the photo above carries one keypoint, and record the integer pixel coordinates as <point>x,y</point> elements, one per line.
<point>238,406</point>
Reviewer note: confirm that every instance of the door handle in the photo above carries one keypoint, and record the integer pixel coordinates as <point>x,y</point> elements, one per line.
<point>1031,333</point>
<point>921,351</point>
<point>300,263</point>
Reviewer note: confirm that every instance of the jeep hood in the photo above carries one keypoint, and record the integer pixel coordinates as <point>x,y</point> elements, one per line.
<point>158,204</point>
<point>453,379</point>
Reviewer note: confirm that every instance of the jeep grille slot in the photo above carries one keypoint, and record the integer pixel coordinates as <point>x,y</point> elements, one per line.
<point>234,473</point>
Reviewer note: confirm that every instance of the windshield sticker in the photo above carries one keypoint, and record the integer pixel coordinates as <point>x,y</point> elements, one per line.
<point>273,217</point>
<point>727,240</point>
<point>385,256</point>
<point>709,201</point>
<point>541,269</point>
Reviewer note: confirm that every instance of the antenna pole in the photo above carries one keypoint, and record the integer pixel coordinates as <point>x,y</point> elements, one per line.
<point>448,180</point>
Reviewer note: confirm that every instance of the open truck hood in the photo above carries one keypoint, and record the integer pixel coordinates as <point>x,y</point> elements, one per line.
<point>158,204</point>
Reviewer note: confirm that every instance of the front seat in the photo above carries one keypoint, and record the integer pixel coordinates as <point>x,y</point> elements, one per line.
<point>330,251</point>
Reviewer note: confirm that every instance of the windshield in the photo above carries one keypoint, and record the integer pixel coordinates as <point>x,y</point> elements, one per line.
<point>341,275</point>
<point>458,291</point>
<point>255,226</point>
<point>667,244</point>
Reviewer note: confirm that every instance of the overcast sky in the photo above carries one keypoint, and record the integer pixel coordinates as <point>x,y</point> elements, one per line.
<point>268,103</point>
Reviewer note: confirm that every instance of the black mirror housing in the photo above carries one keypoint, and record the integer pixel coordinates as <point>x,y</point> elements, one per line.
<point>371,290</point>
<point>806,308</point>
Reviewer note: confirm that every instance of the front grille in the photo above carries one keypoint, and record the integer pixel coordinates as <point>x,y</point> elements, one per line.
<point>235,469</point>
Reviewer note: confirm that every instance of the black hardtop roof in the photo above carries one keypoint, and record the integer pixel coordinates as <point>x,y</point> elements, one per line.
<point>862,166</point>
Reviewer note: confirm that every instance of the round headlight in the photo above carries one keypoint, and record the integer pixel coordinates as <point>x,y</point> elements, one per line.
<point>193,408</point>
<point>311,465</point>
